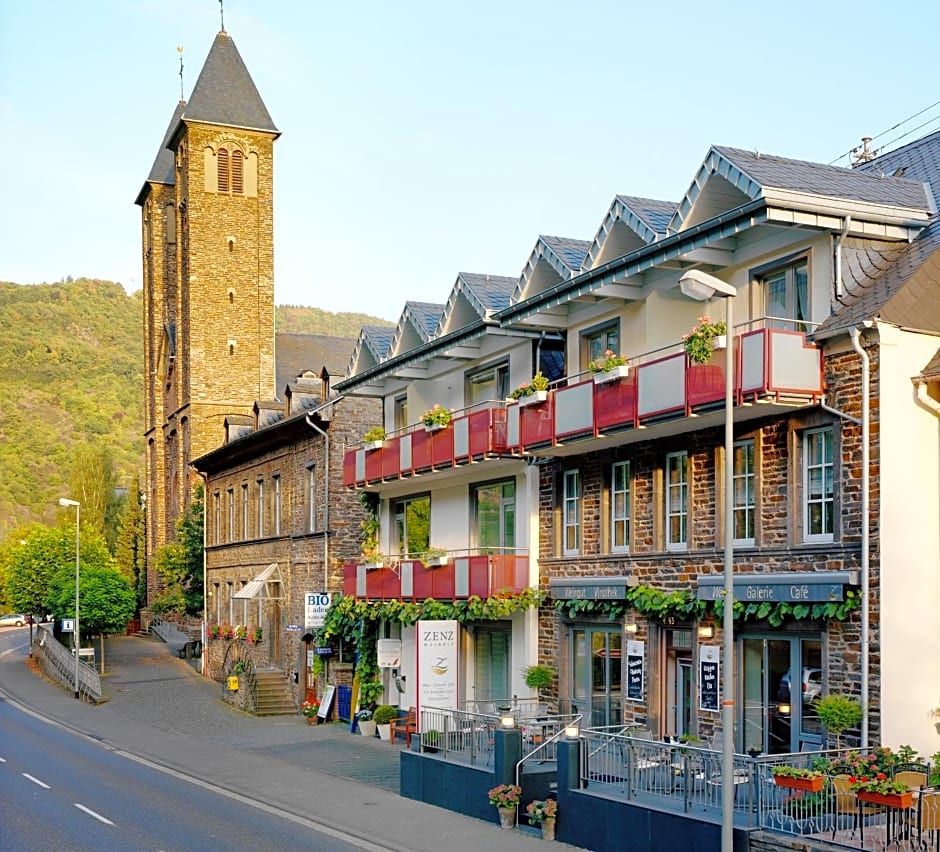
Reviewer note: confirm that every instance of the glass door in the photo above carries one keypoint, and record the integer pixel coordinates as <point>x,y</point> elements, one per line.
<point>491,668</point>
<point>596,676</point>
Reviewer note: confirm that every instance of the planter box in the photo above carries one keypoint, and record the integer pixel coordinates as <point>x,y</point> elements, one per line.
<point>366,727</point>
<point>372,445</point>
<point>720,342</point>
<point>436,561</point>
<point>810,785</point>
<point>621,372</point>
<point>888,800</point>
<point>533,398</point>
<point>435,427</point>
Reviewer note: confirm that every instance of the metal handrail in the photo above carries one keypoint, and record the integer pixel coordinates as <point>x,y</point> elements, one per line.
<point>548,746</point>
<point>59,661</point>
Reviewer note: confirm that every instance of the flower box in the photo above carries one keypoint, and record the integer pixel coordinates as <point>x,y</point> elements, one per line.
<point>436,561</point>
<point>533,398</point>
<point>372,445</point>
<point>434,427</point>
<point>810,785</point>
<point>612,375</point>
<point>720,342</point>
<point>888,800</point>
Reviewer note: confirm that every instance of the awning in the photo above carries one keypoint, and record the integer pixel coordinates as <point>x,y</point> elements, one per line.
<point>792,587</point>
<point>257,587</point>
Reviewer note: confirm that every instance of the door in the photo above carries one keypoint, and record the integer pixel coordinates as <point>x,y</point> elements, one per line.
<point>678,682</point>
<point>491,667</point>
<point>596,675</point>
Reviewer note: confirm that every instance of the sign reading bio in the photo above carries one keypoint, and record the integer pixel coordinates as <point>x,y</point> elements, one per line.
<point>316,605</point>
<point>437,664</point>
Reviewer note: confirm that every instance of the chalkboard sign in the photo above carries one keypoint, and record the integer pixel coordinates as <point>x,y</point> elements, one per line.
<point>634,671</point>
<point>324,710</point>
<point>708,679</point>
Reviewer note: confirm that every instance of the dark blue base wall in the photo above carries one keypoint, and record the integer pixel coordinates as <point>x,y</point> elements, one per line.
<point>591,822</point>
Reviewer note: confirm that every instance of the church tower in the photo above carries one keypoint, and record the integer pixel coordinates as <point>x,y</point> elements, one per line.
<point>208,280</point>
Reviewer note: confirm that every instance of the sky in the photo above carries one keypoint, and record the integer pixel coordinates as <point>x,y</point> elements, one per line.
<point>423,139</point>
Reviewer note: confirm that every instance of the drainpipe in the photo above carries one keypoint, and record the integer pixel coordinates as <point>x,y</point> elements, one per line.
<point>204,657</point>
<point>837,260</point>
<point>326,502</point>
<point>924,398</point>
<point>866,380</point>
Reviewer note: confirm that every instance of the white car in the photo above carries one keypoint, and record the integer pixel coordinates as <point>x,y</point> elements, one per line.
<point>13,619</point>
<point>811,688</point>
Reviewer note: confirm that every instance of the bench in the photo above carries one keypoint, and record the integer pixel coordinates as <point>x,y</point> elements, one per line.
<point>189,650</point>
<point>406,725</point>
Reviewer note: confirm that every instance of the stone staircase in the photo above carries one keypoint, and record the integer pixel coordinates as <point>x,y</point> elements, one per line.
<point>273,694</point>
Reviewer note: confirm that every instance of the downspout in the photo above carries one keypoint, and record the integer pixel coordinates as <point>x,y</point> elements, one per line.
<point>326,502</point>
<point>924,398</point>
<point>866,381</point>
<point>204,657</point>
<point>837,260</point>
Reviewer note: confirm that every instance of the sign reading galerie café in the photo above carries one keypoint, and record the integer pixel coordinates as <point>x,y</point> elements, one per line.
<point>437,664</point>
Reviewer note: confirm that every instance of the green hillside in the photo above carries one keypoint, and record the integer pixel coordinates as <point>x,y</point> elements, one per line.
<point>71,373</point>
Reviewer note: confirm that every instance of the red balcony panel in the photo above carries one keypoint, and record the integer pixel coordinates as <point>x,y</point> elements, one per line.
<point>500,433</point>
<point>537,423</point>
<point>434,582</point>
<point>421,449</point>
<point>705,383</point>
<point>383,583</point>
<point>481,432</point>
<point>391,458</point>
<point>479,579</point>
<point>615,404</point>
<point>349,468</point>
<point>508,573</point>
<point>350,570</point>
<point>374,464</point>
<point>442,447</point>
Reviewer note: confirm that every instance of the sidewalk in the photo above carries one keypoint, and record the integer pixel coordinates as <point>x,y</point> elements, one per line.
<point>161,709</point>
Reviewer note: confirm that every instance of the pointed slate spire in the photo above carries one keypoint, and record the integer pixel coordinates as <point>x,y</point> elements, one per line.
<point>225,93</point>
<point>163,169</point>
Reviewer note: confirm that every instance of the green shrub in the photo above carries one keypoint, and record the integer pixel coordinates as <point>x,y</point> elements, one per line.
<point>384,714</point>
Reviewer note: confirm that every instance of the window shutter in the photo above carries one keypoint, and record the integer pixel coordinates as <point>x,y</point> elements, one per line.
<point>222,163</point>
<point>238,180</point>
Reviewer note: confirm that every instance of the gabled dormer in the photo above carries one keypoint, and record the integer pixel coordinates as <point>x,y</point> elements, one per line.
<point>416,326</point>
<point>630,224</point>
<point>552,261</point>
<point>473,298</point>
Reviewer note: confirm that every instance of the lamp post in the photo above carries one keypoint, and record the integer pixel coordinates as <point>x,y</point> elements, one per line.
<point>64,501</point>
<point>700,285</point>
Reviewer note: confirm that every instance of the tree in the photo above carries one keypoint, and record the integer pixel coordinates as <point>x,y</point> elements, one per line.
<point>94,484</point>
<point>131,542</point>
<point>180,563</point>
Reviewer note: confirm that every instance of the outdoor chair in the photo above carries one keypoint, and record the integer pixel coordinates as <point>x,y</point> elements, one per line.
<point>406,725</point>
<point>914,775</point>
<point>846,804</point>
<point>927,820</point>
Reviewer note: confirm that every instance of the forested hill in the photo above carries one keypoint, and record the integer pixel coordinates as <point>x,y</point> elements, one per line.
<point>71,373</point>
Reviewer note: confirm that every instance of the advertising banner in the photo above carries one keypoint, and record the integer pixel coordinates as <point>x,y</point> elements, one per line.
<point>437,664</point>
<point>315,606</point>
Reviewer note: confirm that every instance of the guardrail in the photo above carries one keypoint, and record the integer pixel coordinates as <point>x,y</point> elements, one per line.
<point>59,662</point>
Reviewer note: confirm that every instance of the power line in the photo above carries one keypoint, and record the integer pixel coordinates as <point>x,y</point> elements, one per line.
<point>895,127</point>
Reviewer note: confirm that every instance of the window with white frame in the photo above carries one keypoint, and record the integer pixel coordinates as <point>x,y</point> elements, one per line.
<point>246,528</point>
<point>311,497</point>
<point>743,492</point>
<point>494,512</point>
<point>571,513</point>
<point>259,496</point>
<point>230,494</point>
<point>489,383</point>
<point>818,494</point>
<point>677,501</point>
<point>596,341</point>
<point>400,412</point>
<point>786,296</point>
<point>412,517</point>
<point>276,479</point>
<point>620,507</point>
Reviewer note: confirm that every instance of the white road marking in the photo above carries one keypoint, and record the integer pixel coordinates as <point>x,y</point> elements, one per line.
<point>90,812</point>
<point>3,760</point>
<point>36,781</point>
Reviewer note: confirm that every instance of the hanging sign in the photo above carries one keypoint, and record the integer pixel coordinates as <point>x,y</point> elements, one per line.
<point>437,664</point>
<point>635,656</point>
<point>315,606</point>
<point>708,678</point>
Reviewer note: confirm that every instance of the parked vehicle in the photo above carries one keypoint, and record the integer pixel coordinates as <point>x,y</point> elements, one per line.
<point>13,619</point>
<point>811,686</point>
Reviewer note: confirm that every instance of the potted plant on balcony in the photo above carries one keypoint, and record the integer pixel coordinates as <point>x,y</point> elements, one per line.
<point>538,677</point>
<point>506,798</point>
<point>383,716</point>
<point>704,338</point>
<point>881,790</point>
<point>609,367</point>
<point>543,812</point>
<point>436,418</point>
<point>796,778</point>
<point>435,557</point>
<point>533,391</point>
<point>838,713</point>
<point>373,438</point>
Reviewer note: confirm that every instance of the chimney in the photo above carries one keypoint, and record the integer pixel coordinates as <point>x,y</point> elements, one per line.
<point>324,385</point>
<point>864,153</point>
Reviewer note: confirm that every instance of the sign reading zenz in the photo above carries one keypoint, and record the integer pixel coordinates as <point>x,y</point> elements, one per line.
<point>438,636</point>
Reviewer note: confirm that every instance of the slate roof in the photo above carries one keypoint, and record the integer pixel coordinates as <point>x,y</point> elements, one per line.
<point>654,213</point>
<point>932,370</point>
<point>163,169</point>
<point>833,181</point>
<point>570,251</point>
<point>492,291</point>
<point>919,161</point>
<point>378,338</point>
<point>225,93</point>
<point>298,352</point>
<point>425,316</point>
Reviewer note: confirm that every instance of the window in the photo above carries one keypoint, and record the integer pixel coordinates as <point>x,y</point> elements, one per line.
<point>677,501</point>
<point>230,532</point>
<point>230,171</point>
<point>223,170</point>
<point>413,525</point>
<point>743,492</point>
<point>494,508</point>
<point>218,602</point>
<point>488,384</point>
<point>786,296</point>
<point>571,513</point>
<point>620,507</point>
<point>218,519</point>
<point>311,498</point>
<point>596,341</point>
<point>260,508</point>
<point>401,412</point>
<point>245,526</point>
<point>818,499</point>
<point>277,503</point>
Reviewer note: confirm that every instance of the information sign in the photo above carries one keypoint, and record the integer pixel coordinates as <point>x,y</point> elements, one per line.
<point>709,671</point>
<point>635,670</point>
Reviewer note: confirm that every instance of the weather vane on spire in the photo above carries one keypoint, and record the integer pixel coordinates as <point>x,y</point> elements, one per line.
<point>179,50</point>
<point>222,14</point>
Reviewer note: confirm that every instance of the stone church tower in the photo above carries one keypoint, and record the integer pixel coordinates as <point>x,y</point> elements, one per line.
<point>208,280</point>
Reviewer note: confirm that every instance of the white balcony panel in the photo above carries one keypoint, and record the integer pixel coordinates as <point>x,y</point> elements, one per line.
<point>512,425</point>
<point>792,365</point>
<point>461,436</point>
<point>574,409</point>
<point>404,452</point>
<point>360,581</point>
<point>661,386</point>
<point>360,465</point>
<point>462,577</point>
<point>752,361</point>
<point>407,579</point>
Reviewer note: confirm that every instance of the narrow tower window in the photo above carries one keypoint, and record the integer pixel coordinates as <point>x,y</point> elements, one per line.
<point>222,162</point>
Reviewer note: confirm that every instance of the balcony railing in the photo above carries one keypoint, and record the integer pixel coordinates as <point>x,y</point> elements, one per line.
<point>771,366</point>
<point>482,575</point>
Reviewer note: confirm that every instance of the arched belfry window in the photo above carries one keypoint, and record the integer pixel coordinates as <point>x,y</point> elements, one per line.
<point>238,173</point>
<point>230,171</point>
<point>222,164</point>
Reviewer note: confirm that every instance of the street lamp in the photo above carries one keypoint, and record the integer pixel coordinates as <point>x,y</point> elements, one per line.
<point>700,285</point>
<point>64,501</point>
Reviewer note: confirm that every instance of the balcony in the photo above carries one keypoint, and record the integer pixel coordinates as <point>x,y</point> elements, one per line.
<point>482,575</point>
<point>664,394</point>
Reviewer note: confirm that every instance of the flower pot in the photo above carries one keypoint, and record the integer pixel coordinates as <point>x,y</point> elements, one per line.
<point>372,445</point>
<point>367,727</point>
<point>507,817</point>
<point>613,375</point>
<point>534,398</point>
<point>436,562</point>
<point>313,720</point>
<point>720,341</point>
<point>888,800</point>
<point>434,427</point>
<point>811,785</point>
<point>548,829</point>
<point>384,732</point>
